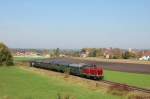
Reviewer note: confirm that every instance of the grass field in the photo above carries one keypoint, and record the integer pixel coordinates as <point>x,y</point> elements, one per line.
<point>140,80</point>
<point>27,58</point>
<point>16,83</point>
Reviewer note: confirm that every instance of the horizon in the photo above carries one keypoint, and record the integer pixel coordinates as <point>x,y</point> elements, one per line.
<point>75,24</point>
<point>78,48</point>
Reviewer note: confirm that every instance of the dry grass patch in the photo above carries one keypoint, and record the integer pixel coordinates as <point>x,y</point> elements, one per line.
<point>119,90</point>
<point>138,95</point>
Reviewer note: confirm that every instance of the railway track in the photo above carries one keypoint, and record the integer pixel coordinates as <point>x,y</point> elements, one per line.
<point>126,87</point>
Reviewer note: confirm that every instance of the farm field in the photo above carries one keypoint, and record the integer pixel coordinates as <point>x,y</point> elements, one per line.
<point>139,80</point>
<point>132,61</point>
<point>16,83</point>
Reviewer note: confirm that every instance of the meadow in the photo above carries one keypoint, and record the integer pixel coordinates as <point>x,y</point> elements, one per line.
<point>16,83</point>
<point>25,59</point>
<point>139,80</point>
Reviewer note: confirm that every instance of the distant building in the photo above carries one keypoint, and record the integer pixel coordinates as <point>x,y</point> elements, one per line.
<point>107,56</point>
<point>145,56</point>
<point>108,53</point>
<point>62,55</point>
<point>84,54</point>
<point>47,56</point>
<point>130,49</point>
<point>27,54</point>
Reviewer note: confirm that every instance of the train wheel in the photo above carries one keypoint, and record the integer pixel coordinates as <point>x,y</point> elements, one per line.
<point>96,78</point>
<point>101,78</point>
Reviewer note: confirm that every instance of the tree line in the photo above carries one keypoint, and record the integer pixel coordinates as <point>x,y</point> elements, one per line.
<point>6,57</point>
<point>110,53</point>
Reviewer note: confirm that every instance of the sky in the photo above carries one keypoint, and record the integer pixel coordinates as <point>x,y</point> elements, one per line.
<point>77,24</point>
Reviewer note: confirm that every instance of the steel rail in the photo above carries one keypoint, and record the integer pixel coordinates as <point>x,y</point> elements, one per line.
<point>127,86</point>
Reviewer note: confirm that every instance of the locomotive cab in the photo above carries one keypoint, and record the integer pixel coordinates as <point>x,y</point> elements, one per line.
<point>93,71</point>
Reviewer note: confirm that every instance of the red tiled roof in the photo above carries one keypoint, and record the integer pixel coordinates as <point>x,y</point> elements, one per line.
<point>147,53</point>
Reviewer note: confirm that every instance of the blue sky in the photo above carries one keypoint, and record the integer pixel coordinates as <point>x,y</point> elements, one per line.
<point>75,23</point>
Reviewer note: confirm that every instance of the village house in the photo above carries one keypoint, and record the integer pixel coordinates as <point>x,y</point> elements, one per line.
<point>145,56</point>
<point>26,54</point>
<point>84,54</point>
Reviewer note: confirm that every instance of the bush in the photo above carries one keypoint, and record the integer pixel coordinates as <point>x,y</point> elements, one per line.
<point>128,55</point>
<point>5,55</point>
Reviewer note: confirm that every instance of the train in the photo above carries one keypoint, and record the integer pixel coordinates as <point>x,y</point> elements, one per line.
<point>91,71</point>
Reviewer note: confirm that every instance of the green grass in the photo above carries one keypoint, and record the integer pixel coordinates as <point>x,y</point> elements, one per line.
<point>27,58</point>
<point>139,80</point>
<point>16,83</point>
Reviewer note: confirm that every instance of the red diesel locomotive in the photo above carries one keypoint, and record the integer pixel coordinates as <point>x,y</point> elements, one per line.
<point>86,70</point>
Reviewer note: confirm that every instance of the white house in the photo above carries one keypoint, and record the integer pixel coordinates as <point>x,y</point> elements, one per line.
<point>145,56</point>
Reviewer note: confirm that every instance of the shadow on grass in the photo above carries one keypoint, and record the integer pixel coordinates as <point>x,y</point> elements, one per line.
<point>64,96</point>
